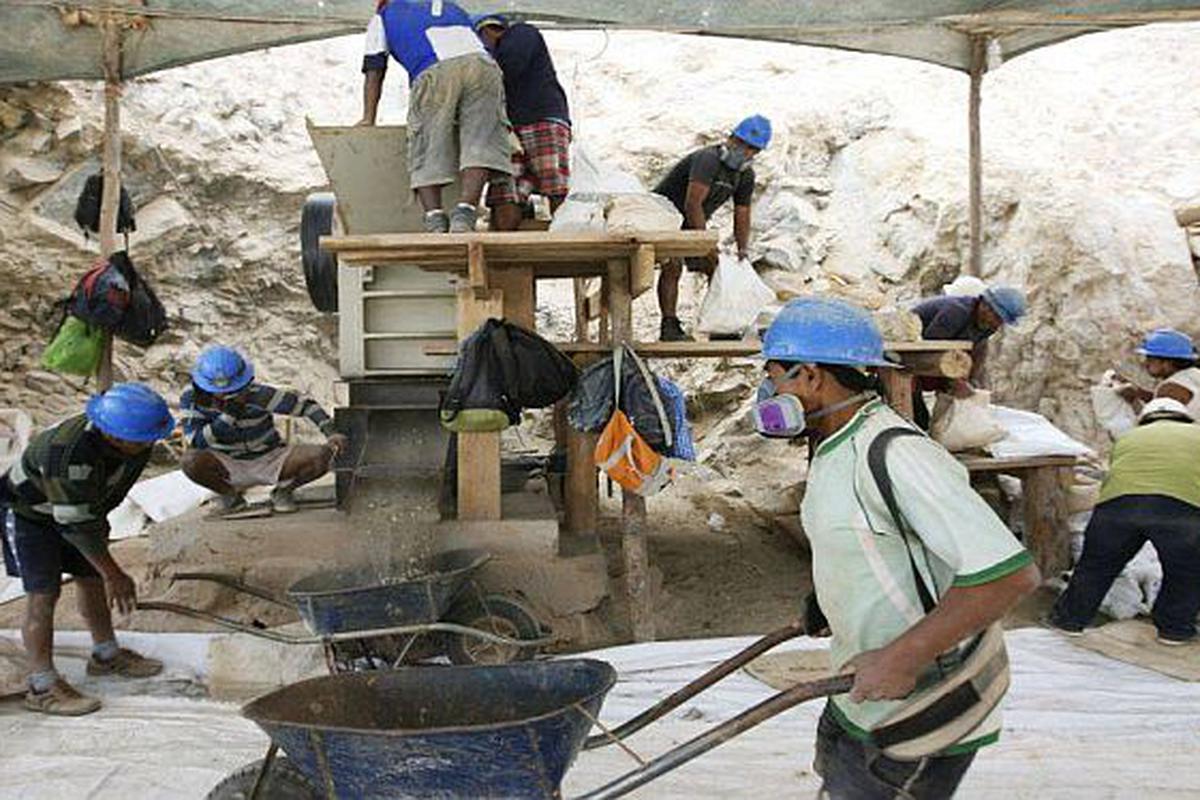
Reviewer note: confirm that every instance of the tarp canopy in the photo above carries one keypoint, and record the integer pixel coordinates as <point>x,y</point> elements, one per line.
<point>59,39</point>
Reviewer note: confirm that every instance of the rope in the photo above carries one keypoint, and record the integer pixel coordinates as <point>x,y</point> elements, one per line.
<point>611,736</point>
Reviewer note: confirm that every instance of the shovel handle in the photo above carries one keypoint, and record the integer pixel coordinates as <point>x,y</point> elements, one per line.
<point>685,752</point>
<point>678,698</point>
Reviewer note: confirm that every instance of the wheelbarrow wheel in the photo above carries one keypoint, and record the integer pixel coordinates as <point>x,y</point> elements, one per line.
<point>284,781</point>
<point>319,218</point>
<point>493,614</point>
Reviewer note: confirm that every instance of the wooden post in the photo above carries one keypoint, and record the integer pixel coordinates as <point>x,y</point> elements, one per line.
<point>975,179</point>
<point>517,286</point>
<point>633,506</point>
<point>1045,513</point>
<point>579,288</point>
<point>478,453</point>
<point>898,384</point>
<point>110,198</point>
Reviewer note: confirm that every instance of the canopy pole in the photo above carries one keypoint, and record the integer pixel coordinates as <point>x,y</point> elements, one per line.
<point>110,198</point>
<point>975,179</point>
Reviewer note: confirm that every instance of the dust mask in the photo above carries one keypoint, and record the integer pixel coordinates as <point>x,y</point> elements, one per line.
<point>782,416</point>
<point>734,157</point>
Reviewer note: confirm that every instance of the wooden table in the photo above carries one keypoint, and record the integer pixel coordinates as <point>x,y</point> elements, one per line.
<point>1044,482</point>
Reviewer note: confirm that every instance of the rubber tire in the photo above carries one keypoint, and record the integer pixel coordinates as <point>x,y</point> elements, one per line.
<point>469,612</point>
<point>285,781</point>
<point>317,219</point>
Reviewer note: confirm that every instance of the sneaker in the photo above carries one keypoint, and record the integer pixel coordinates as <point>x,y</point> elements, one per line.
<point>126,664</point>
<point>283,501</point>
<point>672,331</point>
<point>62,700</point>
<point>436,221</point>
<point>226,504</point>
<point>462,218</point>
<point>1173,641</point>
<point>1049,622</point>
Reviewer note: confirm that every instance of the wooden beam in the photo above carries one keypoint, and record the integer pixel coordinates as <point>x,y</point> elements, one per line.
<point>954,364</point>
<point>477,275</point>
<point>898,387</point>
<point>1015,466</point>
<point>478,453</point>
<point>582,308</point>
<point>520,299</point>
<point>110,197</point>
<point>922,355</point>
<point>975,177</point>
<point>1045,510</point>
<point>642,270</point>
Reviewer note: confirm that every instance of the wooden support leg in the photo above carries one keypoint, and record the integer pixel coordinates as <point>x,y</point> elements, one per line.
<point>633,506</point>
<point>517,286</point>
<point>898,384</point>
<point>579,285</point>
<point>1045,511</point>
<point>478,453</point>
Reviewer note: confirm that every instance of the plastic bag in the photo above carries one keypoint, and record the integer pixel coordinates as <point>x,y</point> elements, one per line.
<point>76,348</point>
<point>965,286</point>
<point>965,423</point>
<point>735,296</point>
<point>1112,411</point>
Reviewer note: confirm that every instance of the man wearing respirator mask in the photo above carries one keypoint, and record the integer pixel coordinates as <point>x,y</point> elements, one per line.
<point>698,185</point>
<point>902,609</point>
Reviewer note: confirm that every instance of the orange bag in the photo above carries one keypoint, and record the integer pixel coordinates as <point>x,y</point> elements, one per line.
<point>624,455</point>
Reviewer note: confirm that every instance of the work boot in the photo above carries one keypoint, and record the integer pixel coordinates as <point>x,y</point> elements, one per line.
<point>436,221</point>
<point>62,700</point>
<point>462,218</point>
<point>1048,621</point>
<point>226,504</point>
<point>283,501</point>
<point>1171,640</point>
<point>672,330</point>
<point>126,664</point>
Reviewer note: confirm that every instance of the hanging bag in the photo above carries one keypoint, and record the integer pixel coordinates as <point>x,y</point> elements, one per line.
<point>624,455</point>
<point>76,349</point>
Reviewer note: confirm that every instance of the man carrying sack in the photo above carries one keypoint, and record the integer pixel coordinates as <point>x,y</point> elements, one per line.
<point>910,566</point>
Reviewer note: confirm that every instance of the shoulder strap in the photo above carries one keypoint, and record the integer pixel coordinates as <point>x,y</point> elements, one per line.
<point>504,353</point>
<point>617,351</point>
<point>655,396</point>
<point>877,462</point>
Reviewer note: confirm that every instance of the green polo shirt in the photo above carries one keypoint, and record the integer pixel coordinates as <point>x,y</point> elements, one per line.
<point>861,569</point>
<point>1160,458</point>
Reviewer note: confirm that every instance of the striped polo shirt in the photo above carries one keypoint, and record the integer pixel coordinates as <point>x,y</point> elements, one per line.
<point>245,427</point>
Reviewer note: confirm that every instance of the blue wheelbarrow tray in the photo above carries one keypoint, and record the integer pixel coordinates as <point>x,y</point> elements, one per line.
<point>361,600</point>
<point>451,732</point>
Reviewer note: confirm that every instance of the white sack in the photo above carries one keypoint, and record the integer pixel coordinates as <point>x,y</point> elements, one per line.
<point>633,213</point>
<point>965,286</point>
<point>735,296</point>
<point>579,213</point>
<point>592,176</point>
<point>15,429</point>
<point>1112,411</point>
<point>964,423</point>
<point>1030,435</point>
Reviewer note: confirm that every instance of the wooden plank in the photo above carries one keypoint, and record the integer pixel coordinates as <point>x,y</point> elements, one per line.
<point>478,453</point>
<point>593,306</point>
<point>898,387</point>
<point>582,309</point>
<point>581,494</point>
<point>642,270</point>
<point>917,353</point>
<point>1045,512</point>
<point>975,155</point>
<point>477,275</point>
<point>953,364</point>
<point>520,300</point>
<point>1015,465</point>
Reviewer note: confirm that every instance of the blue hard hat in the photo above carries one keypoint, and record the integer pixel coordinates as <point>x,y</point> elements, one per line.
<point>1007,302</point>
<point>131,411</point>
<point>754,131</point>
<point>483,20</point>
<point>222,370</point>
<point>821,330</point>
<point>1168,343</point>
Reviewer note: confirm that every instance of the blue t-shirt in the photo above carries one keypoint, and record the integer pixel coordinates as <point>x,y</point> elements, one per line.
<point>419,34</point>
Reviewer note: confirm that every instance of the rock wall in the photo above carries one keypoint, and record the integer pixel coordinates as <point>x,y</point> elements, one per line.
<point>1089,146</point>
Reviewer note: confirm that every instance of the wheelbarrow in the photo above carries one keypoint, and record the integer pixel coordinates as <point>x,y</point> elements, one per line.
<point>507,731</point>
<point>364,621</point>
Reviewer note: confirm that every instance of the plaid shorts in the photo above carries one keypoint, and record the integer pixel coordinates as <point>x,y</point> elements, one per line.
<point>544,166</point>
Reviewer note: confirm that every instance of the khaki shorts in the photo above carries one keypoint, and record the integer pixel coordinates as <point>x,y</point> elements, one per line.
<point>456,120</point>
<point>247,472</point>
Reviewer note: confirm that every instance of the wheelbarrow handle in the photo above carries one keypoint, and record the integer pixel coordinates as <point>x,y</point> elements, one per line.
<point>225,579</point>
<point>224,622</point>
<point>678,698</point>
<point>743,722</point>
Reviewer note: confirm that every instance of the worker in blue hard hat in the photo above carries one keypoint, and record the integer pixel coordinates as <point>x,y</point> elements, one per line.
<point>965,319</point>
<point>541,120</point>
<point>898,605</point>
<point>228,420</point>
<point>699,184</point>
<point>1170,358</point>
<point>54,504</point>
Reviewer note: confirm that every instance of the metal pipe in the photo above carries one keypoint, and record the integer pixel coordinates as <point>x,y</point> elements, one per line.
<point>685,752</point>
<point>343,636</point>
<point>678,698</point>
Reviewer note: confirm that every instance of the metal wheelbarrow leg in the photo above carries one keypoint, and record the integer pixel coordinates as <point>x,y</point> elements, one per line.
<point>685,752</point>
<point>681,696</point>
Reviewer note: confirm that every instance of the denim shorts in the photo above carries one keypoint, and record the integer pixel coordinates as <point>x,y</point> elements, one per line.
<point>39,555</point>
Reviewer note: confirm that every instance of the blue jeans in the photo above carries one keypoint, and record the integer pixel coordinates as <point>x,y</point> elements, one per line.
<point>851,769</point>
<point>1116,532</point>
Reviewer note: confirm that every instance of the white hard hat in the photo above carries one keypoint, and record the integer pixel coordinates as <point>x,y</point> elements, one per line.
<point>1164,407</point>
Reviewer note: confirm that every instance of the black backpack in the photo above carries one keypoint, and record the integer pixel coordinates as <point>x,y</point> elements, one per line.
<point>507,368</point>
<point>87,207</point>
<point>641,400</point>
<point>114,296</point>
<point>145,319</point>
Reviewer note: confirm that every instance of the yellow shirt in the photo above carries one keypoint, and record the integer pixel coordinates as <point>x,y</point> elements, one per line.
<point>1160,458</point>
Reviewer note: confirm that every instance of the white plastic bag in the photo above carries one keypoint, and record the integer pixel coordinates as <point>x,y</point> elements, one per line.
<point>965,286</point>
<point>735,296</point>
<point>1112,411</point>
<point>964,423</point>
